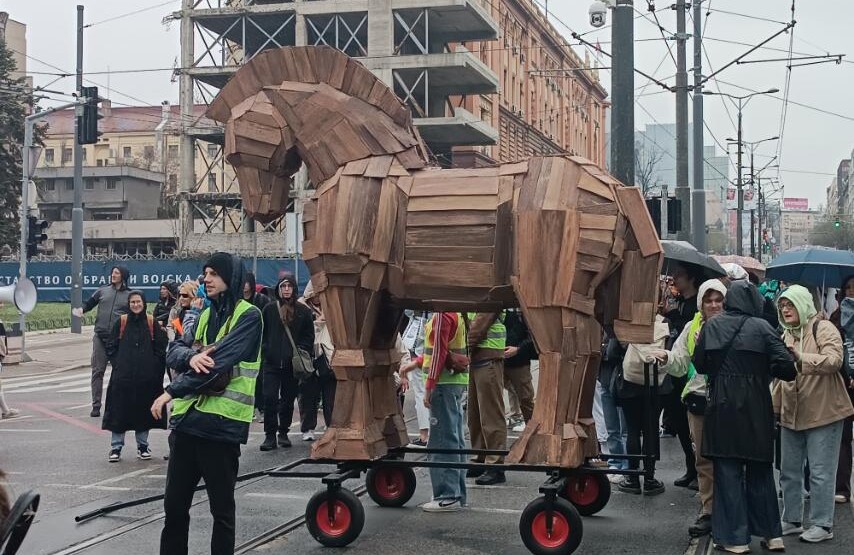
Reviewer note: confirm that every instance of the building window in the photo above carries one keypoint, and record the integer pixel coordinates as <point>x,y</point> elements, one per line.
<point>89,184</point>
<point>65,214</point>
<point>97,249</point>
<point>66,155</point>
<point>99,163</point>
<point>212,181</point>
<point>69,184</point>
<point>173,180</point>
<point>84,154</point>
<point>212,150</point>
<point>172,152</point>
<point>50,185</point>
<point>159,248</point>
<point>126,153</point>
<point>48,155</point>
<point>111,184</point>
<point>105,216</point>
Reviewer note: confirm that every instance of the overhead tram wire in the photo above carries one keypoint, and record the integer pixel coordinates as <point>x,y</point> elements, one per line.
<point>793,102</point>
<point>786,89</point>
<point>128,14</point>
<point>661,29</point>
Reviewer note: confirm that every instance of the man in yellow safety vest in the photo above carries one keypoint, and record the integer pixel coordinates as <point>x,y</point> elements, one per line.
<point>212,406</point>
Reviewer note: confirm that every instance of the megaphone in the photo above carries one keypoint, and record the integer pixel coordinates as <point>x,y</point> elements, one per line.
<point>22,295</point>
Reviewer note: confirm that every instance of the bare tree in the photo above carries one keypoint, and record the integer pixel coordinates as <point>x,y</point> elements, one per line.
<point>647,157</point>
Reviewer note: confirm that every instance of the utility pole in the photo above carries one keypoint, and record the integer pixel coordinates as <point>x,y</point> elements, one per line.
<point>752,211</point>
<point>187,180</point>
<point>698,196</point>
<point>77,208</point>
<point>739,246</point>
<point>683,191</point>
<point>623,93</point>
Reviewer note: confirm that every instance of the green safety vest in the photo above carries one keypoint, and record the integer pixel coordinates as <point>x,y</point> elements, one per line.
<point>496,337</point>
<point>457,346</point>
<point>237,402</point>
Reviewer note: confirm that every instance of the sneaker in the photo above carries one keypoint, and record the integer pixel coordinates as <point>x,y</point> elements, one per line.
<point>792,528</point>
<point>513,421</point>
<point>838,498</point>
<point>143,453</point>
<point>816,534</point>
<point>519,428</point>
<point>418,443</point>
<point>474,472</point>
<point>701,527</point>
<point>651,486</point>
<point>442,506</point>
<point>284,440</point>
<point>629,484</point>
<point>739,549</point>
<point>11,413</point>
<point>115,455</point>
<point>685,480</point>
<point>308,436</point>
<point>773,544</point>
<point>96,413</point>
<point>615,478</point>
<point>269,443</point>
<point>490,478</point>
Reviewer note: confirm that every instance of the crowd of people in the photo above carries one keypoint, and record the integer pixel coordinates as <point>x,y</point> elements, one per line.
<point>752,379</point>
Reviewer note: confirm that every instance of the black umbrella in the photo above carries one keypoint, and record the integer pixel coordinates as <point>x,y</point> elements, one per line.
<point>683,253</point>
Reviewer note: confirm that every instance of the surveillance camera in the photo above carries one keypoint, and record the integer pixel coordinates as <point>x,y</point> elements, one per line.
<point>598,14</point>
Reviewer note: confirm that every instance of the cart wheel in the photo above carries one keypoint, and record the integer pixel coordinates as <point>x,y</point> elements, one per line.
<point>561,538</point>
<point>390,485</point>
<point>14,529</point>
<point>341,525</point>
<point>588,492</point>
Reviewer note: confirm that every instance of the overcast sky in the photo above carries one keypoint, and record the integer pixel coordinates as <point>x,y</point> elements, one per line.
<point>812,141</point>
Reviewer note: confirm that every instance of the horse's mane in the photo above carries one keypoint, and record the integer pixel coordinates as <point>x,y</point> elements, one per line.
<point>308,64</point>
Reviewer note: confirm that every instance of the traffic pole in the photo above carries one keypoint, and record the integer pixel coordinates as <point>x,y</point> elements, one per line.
<point>622,93</point>
<point>77,207</point>
<point>698,194</point>
<point>683,191</point>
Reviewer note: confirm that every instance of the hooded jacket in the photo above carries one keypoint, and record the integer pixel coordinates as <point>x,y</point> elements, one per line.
<point>818,395</point>
<point>277,351</point>
<point>260,300</point>
<point>518,336</point>
<point>241,343</point>
<point>112,302</point>
<point>740,353</point>
<point>322,340</point>
<point>137,378</point>
<point>678,358</point>
<point>164,307</point>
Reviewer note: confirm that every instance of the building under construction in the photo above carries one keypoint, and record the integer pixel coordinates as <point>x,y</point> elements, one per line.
<point>486,80</point>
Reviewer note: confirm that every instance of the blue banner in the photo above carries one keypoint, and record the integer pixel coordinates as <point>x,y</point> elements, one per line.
<point>53,279</point>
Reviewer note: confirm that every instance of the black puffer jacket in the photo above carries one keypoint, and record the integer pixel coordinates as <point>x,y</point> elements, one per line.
<point>137,378</point>
<point>741,353</point>
<point>518,336</point>
<point>277,351</point>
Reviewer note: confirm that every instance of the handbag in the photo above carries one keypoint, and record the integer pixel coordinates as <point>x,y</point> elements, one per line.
<point>322,366</point>
<point>301,360</point>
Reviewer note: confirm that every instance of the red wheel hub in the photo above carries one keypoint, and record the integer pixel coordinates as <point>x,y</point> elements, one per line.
<point>389,483</point>
<point>582,490</point>
<point>559,534</point>
<point>340,521</point>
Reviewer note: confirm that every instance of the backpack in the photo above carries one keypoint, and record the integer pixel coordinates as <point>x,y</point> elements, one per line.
<point>123,322</point>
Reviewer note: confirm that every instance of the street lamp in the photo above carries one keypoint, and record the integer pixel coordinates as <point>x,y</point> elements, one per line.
<point>741,103</point>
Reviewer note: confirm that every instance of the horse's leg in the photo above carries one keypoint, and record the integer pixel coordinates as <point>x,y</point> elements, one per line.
<point>366,417</point>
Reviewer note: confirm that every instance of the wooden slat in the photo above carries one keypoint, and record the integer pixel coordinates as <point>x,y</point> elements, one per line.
<point>593,185</point>
<point>462,202</point>
<point>597,221</point>
<point>582,304</point>
<point>639,220</point>
<point>386,223</point>
<point>451,218</point>
<point>439,185</point>
<point>378,166</point>
<point>595,248</point>
<point>448,253</point>
<point>475,236</point>
<point>461,274</point>
<point>630,333</point>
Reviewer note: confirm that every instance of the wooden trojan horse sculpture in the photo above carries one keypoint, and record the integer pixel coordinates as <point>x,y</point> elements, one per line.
<point>386,231</point>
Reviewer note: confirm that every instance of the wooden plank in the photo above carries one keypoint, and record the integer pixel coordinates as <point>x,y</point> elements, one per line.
<point>373,276</point>
<point>448,253</point>
<point>503,257</point>
<point>379,166</point>
<point>594,248</point>
<point>603,235</point>
<point>590,263</point>
<point>582,304</point>
<point>475,236</point>
<point>627,332</point>
<point>385,224</point>
<point>451,218</point>
<point>567,259</point>
<point>513,169</point>
<point>597,221</point>
<point>343,263</point>
<point>437,186</point>
<point>461,274</point>
<point>364,203</point>
<point>593,185</point>
<point>404,184</point>
<point>640,221</point>
<point>460,202</point>
<point>643,313</point>
<point>629,276</point>
<point>356,167</point>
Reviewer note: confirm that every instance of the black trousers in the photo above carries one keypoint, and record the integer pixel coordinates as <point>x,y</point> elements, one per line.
<point>636,412</point>
<point>745,502</point>
<point>281,389</point>
<point>259,392</point>
<point>312,392</point>
<point>675,418</point>
<point>190,460</point>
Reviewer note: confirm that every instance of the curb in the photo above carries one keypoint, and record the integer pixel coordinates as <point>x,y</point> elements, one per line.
<point>69,368</point>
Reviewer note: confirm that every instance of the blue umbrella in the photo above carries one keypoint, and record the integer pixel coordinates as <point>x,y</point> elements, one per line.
<point>817,266</point>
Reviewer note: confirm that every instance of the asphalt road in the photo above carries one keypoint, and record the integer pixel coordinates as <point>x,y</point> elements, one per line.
<point>56,448</point>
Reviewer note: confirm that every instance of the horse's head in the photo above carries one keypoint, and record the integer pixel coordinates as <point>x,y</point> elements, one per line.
<point>305,104</point>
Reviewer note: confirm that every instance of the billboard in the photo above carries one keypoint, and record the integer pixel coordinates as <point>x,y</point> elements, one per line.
<point>796,203</point>
<point>53,279</point>
<point>748,194</point>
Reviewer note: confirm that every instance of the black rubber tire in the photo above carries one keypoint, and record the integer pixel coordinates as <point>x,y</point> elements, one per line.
<point>14,529</point>
<point>567,527</point>
<point>575,492</point>
<point>390,485</point>
<point>349,521</point>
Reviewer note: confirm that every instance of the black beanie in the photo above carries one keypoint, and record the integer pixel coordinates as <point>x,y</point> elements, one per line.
<point>221,263</point>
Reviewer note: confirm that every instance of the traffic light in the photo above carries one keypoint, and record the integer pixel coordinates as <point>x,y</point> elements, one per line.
<point>836,223</point>
<point>674,215</point>
<point>653,206</point>
<point>36,235</point>
<point>87,124</point>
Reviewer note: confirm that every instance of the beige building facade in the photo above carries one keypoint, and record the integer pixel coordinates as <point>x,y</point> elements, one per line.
<point>795,227</point>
